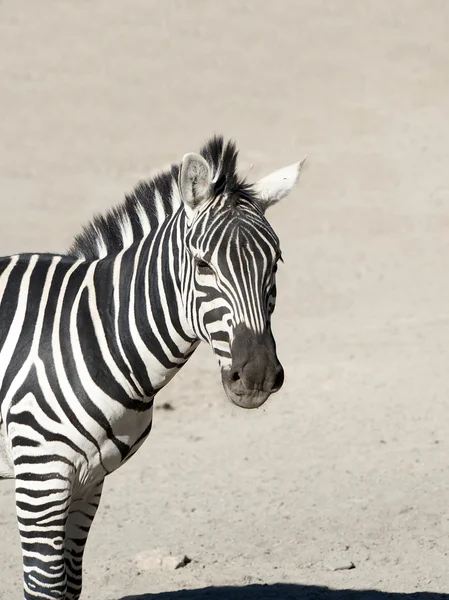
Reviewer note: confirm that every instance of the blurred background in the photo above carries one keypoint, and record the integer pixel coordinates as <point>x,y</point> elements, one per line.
<point>349,462</point>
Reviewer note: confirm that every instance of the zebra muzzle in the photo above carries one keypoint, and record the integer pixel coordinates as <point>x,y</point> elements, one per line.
<point>255,372</point>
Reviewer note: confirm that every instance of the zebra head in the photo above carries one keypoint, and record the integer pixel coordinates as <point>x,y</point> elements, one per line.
<point>231,255</point>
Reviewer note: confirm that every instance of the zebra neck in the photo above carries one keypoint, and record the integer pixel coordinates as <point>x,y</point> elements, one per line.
<point>144,312</point>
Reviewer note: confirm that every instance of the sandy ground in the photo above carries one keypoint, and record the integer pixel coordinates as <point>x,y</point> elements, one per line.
<point>349,462</point>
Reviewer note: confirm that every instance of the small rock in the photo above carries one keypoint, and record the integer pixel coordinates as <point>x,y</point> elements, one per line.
<point>154,561</point>
<point>148,563</point>
<point>344,566</point>
<point>165,406</point>
<point>170,563</point>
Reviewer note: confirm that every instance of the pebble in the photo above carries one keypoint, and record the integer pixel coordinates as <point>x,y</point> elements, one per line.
<point>343,566</point>
<point>153,560</point>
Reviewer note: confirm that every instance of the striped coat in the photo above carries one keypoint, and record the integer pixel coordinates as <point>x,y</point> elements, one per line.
<point>87,340</point>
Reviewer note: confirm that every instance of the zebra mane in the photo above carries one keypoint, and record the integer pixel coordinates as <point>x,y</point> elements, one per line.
<point>154,200</point>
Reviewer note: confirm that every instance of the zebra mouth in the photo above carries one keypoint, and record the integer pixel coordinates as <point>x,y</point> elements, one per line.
<point>253,371</point>
<point>244,398</point>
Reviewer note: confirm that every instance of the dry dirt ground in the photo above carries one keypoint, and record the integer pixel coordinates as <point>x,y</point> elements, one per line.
<point>349,462</point>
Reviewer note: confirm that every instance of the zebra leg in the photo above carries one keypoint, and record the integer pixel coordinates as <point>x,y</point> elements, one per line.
<point>42,505</point>
<point>81,515</point>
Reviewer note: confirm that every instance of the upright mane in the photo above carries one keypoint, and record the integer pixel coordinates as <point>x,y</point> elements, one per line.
<point>155,200</point>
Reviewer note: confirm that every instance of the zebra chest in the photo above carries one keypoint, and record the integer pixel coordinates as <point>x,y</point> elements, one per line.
<point>118,441</point>
<point>88,440</point>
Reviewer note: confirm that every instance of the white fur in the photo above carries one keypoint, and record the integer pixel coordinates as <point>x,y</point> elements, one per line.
<point>277,185</point>
<point>6,467</point>
<point>194,181</point>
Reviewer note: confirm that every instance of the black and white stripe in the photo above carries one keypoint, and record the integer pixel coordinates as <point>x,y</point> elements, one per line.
<point>87,340</point>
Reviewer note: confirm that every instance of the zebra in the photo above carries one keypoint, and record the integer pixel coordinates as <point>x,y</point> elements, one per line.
<point>89,337</point>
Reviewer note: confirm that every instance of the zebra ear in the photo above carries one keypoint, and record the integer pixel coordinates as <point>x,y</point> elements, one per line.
<point>194,181</point>
<point>277,185</point>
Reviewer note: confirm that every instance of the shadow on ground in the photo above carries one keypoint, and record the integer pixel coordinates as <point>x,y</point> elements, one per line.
<point>284,591</point>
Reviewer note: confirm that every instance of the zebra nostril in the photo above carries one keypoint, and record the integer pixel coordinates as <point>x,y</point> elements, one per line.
<point>235,376</point>
<point>279,380</point>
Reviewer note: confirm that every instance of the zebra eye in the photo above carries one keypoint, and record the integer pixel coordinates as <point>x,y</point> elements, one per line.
<point>203,267</point>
